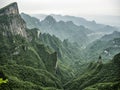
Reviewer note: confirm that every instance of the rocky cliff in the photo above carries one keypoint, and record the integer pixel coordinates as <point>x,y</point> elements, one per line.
<point>11,22</point>
<point>10,9</point>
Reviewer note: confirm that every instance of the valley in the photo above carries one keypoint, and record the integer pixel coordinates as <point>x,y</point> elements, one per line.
<point>57,53</point>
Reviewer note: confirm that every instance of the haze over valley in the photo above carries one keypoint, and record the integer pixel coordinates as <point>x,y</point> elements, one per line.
<point>59,45</point>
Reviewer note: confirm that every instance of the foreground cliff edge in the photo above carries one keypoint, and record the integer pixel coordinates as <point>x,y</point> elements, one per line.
<point>26,62</point>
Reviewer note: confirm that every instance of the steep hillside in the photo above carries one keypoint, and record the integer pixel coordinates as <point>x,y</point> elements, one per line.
<point>65,30</point>
<point>108,37</point>
<point>32,60</point>
<point>10,20</point>
<point>93,25</point>
<point>25,61</point>
<point>31,22</point>
<point>98,76</point>
<point>107,47</point>
<point>64,49</point>
<point>68,54</point>
<point>62,30</point>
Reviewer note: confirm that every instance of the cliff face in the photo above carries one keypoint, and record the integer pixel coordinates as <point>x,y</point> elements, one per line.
<point>11,21</point>
<point>48,56</point>
<point>23,55</point>
<point>10,9</point>
<point>11,24</point>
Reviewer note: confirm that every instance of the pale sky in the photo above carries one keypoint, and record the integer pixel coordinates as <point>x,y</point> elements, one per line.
<point>70,7</point>
<point>89,9</point>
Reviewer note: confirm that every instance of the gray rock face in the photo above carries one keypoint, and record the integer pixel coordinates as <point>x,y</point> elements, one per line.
<point>10,20</point>
<point>18,26</point>
<point>10,9</point>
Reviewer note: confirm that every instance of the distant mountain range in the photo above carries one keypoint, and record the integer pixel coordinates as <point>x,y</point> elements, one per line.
<point>33,60</point>
<point>107,46</point>
<point>62,30</point>
<point>80,34</point>
<point>68,27</point>
<point>80,21</point>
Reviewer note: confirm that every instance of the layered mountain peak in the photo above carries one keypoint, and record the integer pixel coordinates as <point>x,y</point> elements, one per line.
<point>11,21</point>
<point>50,20</point>
<point>116,33</point>
<point>10,9</point>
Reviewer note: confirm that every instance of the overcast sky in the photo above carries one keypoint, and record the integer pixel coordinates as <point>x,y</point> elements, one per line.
<point>70,7</point>
<point>103,11</point>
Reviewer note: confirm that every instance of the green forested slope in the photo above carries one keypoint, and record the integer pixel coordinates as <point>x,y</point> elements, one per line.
<point>35,61</point>
<point>107,47</point>
<point>25,61</point>
<point>98,76</point>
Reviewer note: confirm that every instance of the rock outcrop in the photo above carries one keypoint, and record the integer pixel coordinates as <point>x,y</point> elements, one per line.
<point>11,21</point>
<point>10,9</point>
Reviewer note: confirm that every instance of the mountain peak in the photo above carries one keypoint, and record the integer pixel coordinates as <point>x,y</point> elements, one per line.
<point>14,23</point>
<point>10,9</point>
<point>50,19</point>
<point>116,32</point>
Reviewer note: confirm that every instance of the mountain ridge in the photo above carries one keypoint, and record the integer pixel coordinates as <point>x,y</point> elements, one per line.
<point>62,30</point>
<point>23,55</point>
<point>10,19</point>
<point>10,9</point>
<point>78,21</point>
<point>38,61</point>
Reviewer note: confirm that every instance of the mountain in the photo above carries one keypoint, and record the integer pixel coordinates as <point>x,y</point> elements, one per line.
<point>8,10</point>
<point>92,30</point>
<point>25,61</point>
<point>98,76</point>
<point>32,22</point>
<point>107,47</point>
<point>67,54</point>
<point>39,16</point>
<point>10,19</point>
<point>65,49</point>
<point>92,25</point>
<point>63,30</point>
<point>111,36</point>
<point>30,59</point>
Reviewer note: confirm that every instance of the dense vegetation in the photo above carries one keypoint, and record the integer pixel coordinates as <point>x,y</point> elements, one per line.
<point>98,76</point>
<point>63,30</point>
<point>111,47</point>
<point>41,61</point>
